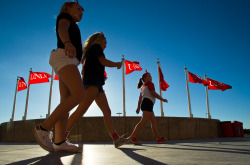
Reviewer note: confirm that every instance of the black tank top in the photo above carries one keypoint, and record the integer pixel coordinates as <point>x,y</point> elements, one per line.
<point>74,34</point>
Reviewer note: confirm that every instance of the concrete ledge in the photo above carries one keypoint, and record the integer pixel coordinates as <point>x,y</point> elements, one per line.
<point>92,129</point>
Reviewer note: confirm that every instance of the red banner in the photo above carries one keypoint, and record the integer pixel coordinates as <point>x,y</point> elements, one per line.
<point>216,85</point>
<point>132,66</point>
<point>21,84</point>
<point>56,77</point>
<point>196,79</point>
<point>163,84</point>
<point>38,77</point>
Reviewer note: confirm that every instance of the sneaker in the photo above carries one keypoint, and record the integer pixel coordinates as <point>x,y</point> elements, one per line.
<point>44,138</point>
<point>161,140</point>
<point>120,141</point>
<point>67,146</point>
<point>135,141</point>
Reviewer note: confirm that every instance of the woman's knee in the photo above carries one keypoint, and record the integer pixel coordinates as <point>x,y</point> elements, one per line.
<point>143,120</point>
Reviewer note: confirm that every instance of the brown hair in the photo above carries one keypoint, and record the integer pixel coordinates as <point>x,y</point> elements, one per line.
<point>141,80</point>
<point>140,83</point>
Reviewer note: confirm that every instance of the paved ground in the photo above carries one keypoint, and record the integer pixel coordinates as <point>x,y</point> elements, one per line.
<point>182,152</point>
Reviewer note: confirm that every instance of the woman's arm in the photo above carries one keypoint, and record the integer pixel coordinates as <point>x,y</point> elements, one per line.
<point>63,27</point>
<point>139,104</point>
<point>108,63</point>
<point>158,96</point>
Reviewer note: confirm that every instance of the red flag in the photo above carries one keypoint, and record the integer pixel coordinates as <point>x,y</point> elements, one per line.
<point>216,85</point>
<point>132,66</point>
<point>196,79</point>
<point>38,77</point>
<point>21,84</point>
<point>163,84</point>
<point>56,77</point>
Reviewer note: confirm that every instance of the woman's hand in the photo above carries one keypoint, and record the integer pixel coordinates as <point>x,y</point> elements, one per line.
<point>137,110</point>
<point>165,100</point>
<point>70,50</point>
<point>119,65</point>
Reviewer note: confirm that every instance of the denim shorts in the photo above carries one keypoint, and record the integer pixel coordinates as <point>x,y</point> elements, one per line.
<point>58,60</point>
<point>93,81</point>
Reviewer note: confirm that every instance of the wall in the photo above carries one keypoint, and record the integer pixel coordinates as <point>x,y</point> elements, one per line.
<point>91,129</point>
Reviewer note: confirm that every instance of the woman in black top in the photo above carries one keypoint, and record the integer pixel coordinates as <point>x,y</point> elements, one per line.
<point>64,60</point>
<point>93,79</point>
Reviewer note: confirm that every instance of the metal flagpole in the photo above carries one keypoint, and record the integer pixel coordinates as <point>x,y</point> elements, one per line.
<point>27,98</point>
<point>189,104</point>
<point>50,93</point>
<point>13,112</point>
<point>208,112</point>
<point>158,64</point>
<point>123,78</point>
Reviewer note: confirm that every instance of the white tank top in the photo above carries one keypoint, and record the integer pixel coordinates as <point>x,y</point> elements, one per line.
<point>145,91</point>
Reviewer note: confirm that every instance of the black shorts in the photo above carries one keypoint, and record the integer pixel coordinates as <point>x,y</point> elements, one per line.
<point>147,105</point>
<point>92,81</point>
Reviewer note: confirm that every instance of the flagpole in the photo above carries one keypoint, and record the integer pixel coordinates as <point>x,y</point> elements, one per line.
<point>123,82</point>
<point>50,93</point>
<point>13,112</point>
<point>208,112</point>
<point>27,98</point>
<point>189,104</point>
<point>158,65</point>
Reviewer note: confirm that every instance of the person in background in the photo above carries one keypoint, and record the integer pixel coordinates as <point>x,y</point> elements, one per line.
<point>146,103</point>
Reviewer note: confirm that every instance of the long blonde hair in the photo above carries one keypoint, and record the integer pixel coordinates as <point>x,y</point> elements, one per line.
<point>95,38</point>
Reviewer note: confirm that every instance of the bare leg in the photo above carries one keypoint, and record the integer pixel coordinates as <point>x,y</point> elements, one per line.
<point>71,78</point>
<point>60,129</point>
<point>145,117</point>
<point>154,125</point>
<point>102,102</point>
<point>60,126</point>
<point>91,93</point>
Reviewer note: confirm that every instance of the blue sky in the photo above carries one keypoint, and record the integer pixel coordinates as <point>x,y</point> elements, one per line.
<point>207,36</point>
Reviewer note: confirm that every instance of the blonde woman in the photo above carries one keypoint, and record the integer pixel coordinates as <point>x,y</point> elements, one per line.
<point>64,60</point>
<point>93,80</point>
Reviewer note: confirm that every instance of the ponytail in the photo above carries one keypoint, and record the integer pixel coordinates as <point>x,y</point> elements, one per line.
<point>140,83</point>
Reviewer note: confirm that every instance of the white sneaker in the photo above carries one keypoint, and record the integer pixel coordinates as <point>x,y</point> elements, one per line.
<point>122,140</point>
<point>67,146</point>
<point>44,138</point>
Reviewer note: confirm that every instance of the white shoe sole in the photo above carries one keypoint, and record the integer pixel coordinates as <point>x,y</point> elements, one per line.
<point>40,143</point>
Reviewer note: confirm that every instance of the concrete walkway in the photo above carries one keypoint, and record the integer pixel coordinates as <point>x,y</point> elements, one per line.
<point>235,151</point>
